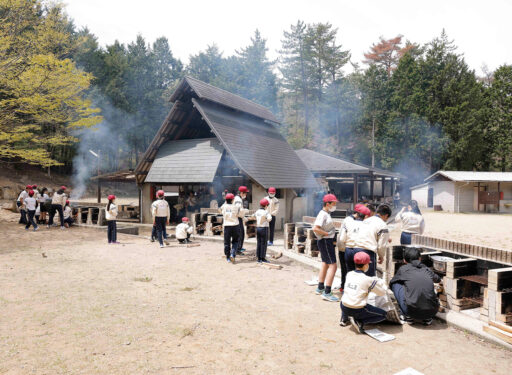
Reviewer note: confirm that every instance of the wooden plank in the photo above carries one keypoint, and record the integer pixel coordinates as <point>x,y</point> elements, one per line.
<point>503,327</point>
<point>502,335</point>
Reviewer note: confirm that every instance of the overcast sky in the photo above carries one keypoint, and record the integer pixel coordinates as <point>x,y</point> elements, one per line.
<point>481,29</point>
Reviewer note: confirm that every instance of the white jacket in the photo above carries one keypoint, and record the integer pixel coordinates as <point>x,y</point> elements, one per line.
<point>182,230</point>
<point>111,214</point>
<point>59,199</point>
<point>373,235</point>
<point>411,222</point>
<point>43,198</point>
<point>238,201</point>
<point>348,233</point>
<point>230,213</point>
<point>273,205</point>
<point>68,212</point>
<point>357,286</point>
<point>262,217</point>
<point>22,195</point>
<point>30,203</point>
<point>160,208</point>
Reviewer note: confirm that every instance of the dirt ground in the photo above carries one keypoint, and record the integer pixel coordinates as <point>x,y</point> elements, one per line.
<point>86,307</point>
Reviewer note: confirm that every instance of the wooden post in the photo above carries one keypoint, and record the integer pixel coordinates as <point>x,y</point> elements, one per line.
<point>478,198</point>
<point>499,197</point>
<point>356,181</point>
<point>371,186</point>
<point>383,187</point>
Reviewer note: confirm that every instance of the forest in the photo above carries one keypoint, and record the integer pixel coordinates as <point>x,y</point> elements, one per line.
<point>408,107</point>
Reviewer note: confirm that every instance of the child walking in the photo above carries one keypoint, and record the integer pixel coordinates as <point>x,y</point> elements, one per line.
<point>31,205</point>
<point>111,215</point>
<point>263,218</point>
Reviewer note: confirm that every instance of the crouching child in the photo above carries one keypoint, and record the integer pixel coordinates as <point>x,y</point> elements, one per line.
<point>263,218</point>
<point>413,287</point>
<point>68,215</point>
<point>183,231</point>
<point>354,303</point>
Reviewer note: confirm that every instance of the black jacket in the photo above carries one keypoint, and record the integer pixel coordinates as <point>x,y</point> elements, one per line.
<point>420,296</point>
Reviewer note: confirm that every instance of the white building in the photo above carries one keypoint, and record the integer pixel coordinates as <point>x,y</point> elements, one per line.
<point>461,191</point>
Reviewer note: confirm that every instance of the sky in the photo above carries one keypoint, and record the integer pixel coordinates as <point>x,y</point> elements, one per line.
<point>482,30</point>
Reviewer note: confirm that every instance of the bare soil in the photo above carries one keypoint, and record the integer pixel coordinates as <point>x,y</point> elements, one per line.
<point>72,304</point>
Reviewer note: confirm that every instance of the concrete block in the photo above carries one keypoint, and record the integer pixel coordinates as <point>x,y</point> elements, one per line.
<point>89,216</point>
<point>491,296</point>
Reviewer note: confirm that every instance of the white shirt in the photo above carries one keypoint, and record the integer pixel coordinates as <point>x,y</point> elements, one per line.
<point>324,221</point>
<point>263,217</point>
<point>59,199</point>
<point>30,203</point>
<point>43,198</point>
<point>357,286</point>
<point>230,214</point>
<point>182,230</point>
<point>38,210</point>
<point>22,195</point>
<point>349,232</point>
<point>111,214</point>
<point>411,222</point>
<point>238,201</point>
<point>68,211</point>
<point>160,208</point>
<point>373,235</point>
<point>273,205</point>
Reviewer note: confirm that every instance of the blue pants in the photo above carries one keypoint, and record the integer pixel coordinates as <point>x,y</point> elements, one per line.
<point>31,214</point>
<point>399,292</point>
<point>405,238</point>
<point>241,234</point>
<point>366,315</point>
<point>261,244</point>
<point>111,231</point>
<point>160,222</point>
<point>349,260</point>
<point>343,267</point>
<point>231,240</point>
<point>23,214</point>
<point>272,228</point>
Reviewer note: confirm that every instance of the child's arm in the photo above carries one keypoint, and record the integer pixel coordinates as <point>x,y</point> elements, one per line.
<point>342,238</point>
<point>378,287</point>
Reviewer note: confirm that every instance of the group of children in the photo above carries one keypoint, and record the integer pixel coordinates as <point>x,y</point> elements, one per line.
<point>33,204</point>
<point>362,242</point>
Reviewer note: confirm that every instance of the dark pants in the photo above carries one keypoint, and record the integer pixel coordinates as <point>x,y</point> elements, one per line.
<point>111,231</point>
<point>69,221</point>
<point>231,241</point>
<point>272,228</point>
<point>23,214</point>
<point>160,222</point>
<point>241,234</point>
<point>349,260</point>
<point>31,214</point>
<point>261,244</point>
<point>366,315</point>
<point>56,208</point>
<point>184,240</point>
<point>405,238</point>
<point>399,292</point>
<point>396,203</point>
<point>343,268</point>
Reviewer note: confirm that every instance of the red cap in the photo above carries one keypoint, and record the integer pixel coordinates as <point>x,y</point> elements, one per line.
<point>272,190</point>
<point>31,193</point>
<point>111,196</point>
<point>263,202</point>
<point>28,187</point>
<point>34,186</point>
<point>362,209</point>
<point>185,219</point>
<point>230,196</point>
<point>361,258</point>
<point>243,189</point>
<point>160,193</point>
<point>67,202</point>
<point>63,187</point>
<point>329,198</point>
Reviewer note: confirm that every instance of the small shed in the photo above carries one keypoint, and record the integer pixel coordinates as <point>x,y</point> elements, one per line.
<point>466,191</point>
<point>213,140</point>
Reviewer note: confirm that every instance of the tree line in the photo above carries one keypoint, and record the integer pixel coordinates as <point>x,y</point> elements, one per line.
<point>406,107</point>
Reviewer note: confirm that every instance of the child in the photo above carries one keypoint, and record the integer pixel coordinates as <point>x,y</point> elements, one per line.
<point>240,201</point>
<point>161,215</point>
<point>68,215</point>
<point>230,225</point>
<point>31,204</point>
<point>111,215</point>
<point>58,203</point>
<point>43,200</point>
<point>412,222</point>
<point>183,231</point>
<point>38,213</point>
<point>354,306</point>
<point>21,206</point>
<point>273,209</point>
<point>263,218</point>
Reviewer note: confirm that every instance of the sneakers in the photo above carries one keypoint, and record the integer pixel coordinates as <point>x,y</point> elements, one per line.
<point>329,297</point>
<point>228,260</point>
<point>270,243</point>
<point>26,228</point>
<point>427,322</point>
<point>48,226</point>
<point>62,227</point>
<point>161,246</point>
<point>259,261</point>
<point>152,239</point>
<point>265,261</point>
<point>319,291</point>
<point>344,323</point>
<point>36,229</point>
<point>232,259</point>
<point>357,325</point>
<point>166,242</point>
<point>407,319</point>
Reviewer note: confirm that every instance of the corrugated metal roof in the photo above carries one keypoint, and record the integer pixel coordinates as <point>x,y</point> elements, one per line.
<point>257,148</point>
<point>186,161</point>
<point>320,163</point>
<point>205,91</point>
<point>473,176</point>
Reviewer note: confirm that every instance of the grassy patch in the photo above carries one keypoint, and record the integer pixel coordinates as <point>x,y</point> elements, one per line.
<point>143,279</point>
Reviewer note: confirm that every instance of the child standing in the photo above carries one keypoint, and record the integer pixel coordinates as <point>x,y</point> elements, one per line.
<point>273,209</point>
<point>183,231</point>
<point>161,215</point>
<point>21,206</point>
<point>43,198</point>
<point>31,205</point>
<point>354,306</point>
<point>263,218</point>
<point>58,203</point>
<point>111,216</point>
<point>230,224</point>
<point>68,215</point>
